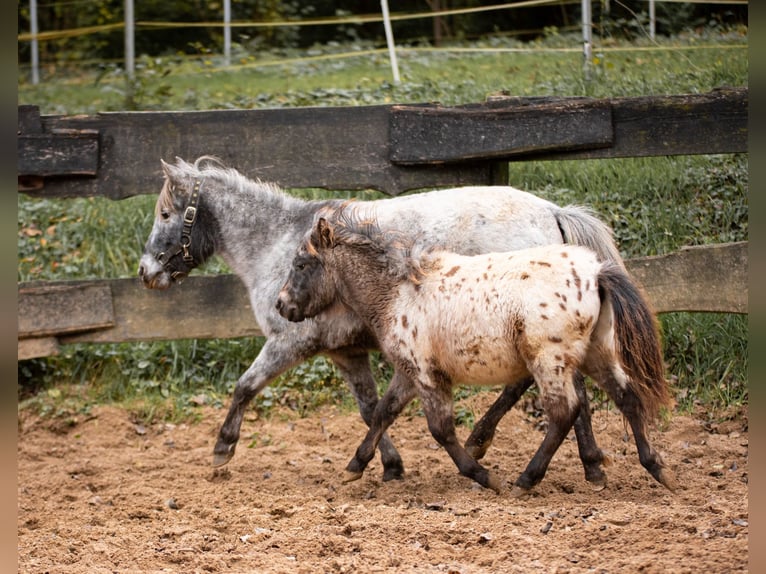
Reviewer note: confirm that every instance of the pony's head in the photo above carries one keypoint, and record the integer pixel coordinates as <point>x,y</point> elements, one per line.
<point>182,234</point>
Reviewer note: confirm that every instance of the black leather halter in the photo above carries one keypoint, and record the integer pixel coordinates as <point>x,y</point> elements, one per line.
<point>190,216</point>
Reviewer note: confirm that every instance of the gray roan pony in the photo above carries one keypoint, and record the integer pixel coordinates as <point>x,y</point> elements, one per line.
<point>491,319</point>
<point>206,208</point>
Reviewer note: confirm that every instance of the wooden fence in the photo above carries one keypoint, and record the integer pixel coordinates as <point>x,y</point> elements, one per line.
<point>391,148</point>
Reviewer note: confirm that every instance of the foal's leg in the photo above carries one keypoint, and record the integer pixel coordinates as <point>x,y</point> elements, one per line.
<point>399,393</point>
<point>562,406</point>
<point>437,404</point>
<point>355,368</point>
<point>630,406</point>
<point>591,456</point>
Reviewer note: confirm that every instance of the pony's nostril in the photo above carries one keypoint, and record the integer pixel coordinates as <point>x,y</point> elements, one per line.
<point>279,304</point>
<point>141,271</point>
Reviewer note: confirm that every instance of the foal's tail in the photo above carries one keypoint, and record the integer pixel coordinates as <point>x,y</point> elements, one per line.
<point>636,337</point>
<point>579,226</point>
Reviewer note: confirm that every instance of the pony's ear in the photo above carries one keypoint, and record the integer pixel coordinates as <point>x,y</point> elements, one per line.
<point>172,172</point>
<point>169,170</point>
<point>325,233</point>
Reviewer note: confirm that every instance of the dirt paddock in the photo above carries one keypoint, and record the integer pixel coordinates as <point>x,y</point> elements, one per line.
<point>108,495</point>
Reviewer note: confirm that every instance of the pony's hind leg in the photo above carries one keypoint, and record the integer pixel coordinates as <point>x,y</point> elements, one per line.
<point>400,392</point>
<point>355,368</point>
<point>484,431</point>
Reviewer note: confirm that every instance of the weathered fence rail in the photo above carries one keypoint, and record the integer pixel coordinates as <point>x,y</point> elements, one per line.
<point>389,148</point>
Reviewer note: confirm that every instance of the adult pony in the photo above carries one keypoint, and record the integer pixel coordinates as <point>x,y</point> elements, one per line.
<point>206,208</point>
<point>492,319</point>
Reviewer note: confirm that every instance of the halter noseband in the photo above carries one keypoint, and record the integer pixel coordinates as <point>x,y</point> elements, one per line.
<point>190,216</point>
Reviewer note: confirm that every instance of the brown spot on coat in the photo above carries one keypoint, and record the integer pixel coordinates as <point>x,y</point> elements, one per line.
<point>405,322</point>
<point>452,271</point>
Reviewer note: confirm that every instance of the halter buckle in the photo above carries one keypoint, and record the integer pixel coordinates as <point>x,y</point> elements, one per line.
<point>190,214</point>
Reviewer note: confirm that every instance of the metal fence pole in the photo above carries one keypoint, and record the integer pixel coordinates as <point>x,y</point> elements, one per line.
<point>227,32</point>
<point>587,37</point>
<point>130,40</point>
<point>390,40</point>
<point>33,46</point>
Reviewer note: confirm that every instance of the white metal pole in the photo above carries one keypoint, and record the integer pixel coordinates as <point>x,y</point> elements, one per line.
<point>33,46</point>
<point>227,32</point>
<point>587,37</point>
<point>130,45</point>
<point>652,19</point>
<point>390,40</point>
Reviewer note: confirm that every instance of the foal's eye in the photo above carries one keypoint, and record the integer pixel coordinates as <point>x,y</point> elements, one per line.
<point>165,214</point>
<point>300,266</point>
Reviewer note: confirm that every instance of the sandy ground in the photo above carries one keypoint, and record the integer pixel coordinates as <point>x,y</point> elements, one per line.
<point>109,495</point>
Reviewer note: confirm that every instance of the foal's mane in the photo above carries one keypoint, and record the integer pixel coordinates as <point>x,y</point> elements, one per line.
<point>357,225</point>
<point>183,173</point>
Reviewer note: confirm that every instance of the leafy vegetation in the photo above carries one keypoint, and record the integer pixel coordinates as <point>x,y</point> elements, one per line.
<point>655,205</point>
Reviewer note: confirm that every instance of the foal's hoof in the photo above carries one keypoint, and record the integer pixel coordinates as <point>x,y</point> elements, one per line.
<point>351,475</point>
<point>477,451</point>
<point>395,472</point>
<point>518,492</point>
<point>667,479</point>
<point>597,485</point>
<point>495,483</point>
<point>223,453</point>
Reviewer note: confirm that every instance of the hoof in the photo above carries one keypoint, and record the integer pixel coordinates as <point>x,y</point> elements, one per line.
<point>518,492</point>
<point>351,476</point>
<point>222,454</point>
<point>598,486</point>
<point>477,451</point>
<point>667,479</point>
<point>495,483</point>
<point>392,473</point>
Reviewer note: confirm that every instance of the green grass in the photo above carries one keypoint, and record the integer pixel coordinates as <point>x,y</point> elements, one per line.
<point>655,206</point>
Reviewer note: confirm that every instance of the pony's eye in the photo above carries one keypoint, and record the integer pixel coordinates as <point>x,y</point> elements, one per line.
<point>165,214</point>
<point>300,266</point>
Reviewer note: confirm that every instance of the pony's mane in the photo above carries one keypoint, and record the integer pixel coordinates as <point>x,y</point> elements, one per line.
<point>357,225</point>
<point>208,167</point>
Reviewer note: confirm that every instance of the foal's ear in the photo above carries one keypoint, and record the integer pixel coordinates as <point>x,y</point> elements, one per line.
<point>325,233</point>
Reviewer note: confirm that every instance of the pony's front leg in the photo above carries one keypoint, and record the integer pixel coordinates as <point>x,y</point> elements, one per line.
<point>437,405</point>
<point>355,368</point>
<point>278,354</point>
<point>400,392</point>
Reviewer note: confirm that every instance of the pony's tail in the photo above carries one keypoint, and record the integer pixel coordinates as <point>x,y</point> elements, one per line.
<point>580,226</point>
<point>637,339</point>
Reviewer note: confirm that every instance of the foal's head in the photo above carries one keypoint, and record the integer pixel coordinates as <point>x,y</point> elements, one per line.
<point>311,285</point>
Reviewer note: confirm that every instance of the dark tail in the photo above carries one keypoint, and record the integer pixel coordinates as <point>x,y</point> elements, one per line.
<point>637,339</point>
<point>579,226</point>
